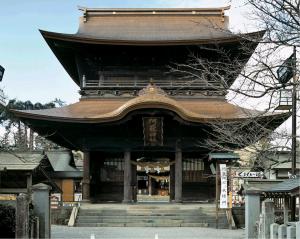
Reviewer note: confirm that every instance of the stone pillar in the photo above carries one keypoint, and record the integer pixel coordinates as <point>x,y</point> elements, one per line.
<point>291,232</point>
<point>127,178</point>
<point>41,208</point>
<point>297,229</point>
<point>282,231</point>
<point>268,214</point>
<point>178,175</point>
<point>252,211</point>
<point>22,216</point>
<point>274,231</point>
<point>172,183</point>
<point>86,177</point>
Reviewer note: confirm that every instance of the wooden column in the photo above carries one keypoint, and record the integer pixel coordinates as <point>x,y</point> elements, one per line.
<point>29,182</point>
<point>286,210</point>
<point>127,178</point>
<point>178,175</point>
<point>134,182</point>
<point>86,177</point>
<point>172,183</point>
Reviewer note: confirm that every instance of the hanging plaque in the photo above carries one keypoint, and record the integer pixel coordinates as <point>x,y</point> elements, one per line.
<point>153,131</point>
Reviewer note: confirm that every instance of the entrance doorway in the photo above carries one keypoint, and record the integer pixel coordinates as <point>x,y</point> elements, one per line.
<point>153,179</point>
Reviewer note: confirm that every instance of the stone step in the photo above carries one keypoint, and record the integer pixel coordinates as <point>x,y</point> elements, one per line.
<point>95,219</point>
<point>92,220</point>
<point>150,216</point>
<point>140,224</point>
<point>147,216</point>
<point>146,213</point>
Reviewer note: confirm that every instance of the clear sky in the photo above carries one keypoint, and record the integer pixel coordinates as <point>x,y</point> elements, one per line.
<point>32,71</point>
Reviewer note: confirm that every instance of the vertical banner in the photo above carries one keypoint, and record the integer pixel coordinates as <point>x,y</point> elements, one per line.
<point>223,193</point>
<point>153,131</point>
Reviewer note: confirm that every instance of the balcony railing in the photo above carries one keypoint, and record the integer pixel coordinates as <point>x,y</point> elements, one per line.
<point>129,82</point>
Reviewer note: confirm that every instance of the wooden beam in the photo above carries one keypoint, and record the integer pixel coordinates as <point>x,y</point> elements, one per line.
<point>13,190</point>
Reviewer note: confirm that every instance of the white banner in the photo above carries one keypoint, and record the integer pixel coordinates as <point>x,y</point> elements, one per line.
<point>223,194</point>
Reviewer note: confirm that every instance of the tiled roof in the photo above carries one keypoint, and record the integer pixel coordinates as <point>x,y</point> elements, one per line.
<point>20,161</point>
<point>107,110</point>
<point>285,186</point>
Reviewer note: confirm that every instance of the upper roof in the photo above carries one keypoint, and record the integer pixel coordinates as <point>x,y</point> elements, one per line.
<point>154,24</point>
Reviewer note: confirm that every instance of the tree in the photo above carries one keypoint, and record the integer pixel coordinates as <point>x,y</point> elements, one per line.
<point>280,18</point>
<point>16,133</point>
<point>257,78</point>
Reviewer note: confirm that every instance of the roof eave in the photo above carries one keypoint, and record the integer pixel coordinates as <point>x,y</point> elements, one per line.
<point>78,38</point>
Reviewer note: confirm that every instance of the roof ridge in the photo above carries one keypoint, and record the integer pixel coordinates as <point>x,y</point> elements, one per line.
<point>174,10</point>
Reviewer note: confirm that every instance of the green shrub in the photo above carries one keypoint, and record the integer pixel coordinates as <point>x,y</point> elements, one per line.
<point>7,221</point>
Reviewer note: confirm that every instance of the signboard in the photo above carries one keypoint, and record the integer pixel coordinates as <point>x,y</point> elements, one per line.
<point>153,131</point>
<point>223,194</point>
<point>251,174</point>
<point>55,199</point>
<point>285,72</point>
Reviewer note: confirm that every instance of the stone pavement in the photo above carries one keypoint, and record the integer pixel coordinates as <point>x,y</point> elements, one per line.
<point>143,233</point>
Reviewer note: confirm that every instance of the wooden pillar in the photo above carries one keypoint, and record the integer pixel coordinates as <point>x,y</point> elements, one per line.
<point>150,185</point>
<point>29,182</point>
<point>127,178</point>
<point>86,177</point>
<point>178,175</point>
<point>286,210</point>
<point>172,183</point>
<point>134,182</point>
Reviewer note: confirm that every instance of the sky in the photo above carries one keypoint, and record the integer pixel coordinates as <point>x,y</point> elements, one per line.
<point>32,72</point>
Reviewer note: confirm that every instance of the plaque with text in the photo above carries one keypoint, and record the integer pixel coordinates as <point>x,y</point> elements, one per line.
<point>153,131</point>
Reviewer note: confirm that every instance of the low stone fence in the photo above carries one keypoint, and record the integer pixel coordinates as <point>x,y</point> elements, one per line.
<point>289,231</point>
<point>267,228</point>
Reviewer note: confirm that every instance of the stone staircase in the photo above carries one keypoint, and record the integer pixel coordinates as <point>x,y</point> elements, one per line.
<point>149,216</point>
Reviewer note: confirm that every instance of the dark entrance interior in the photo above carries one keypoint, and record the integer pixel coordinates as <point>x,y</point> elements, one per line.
<point>153,177</point>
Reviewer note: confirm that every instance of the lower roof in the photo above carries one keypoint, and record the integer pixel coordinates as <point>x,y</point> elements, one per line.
<point>112,109</point>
